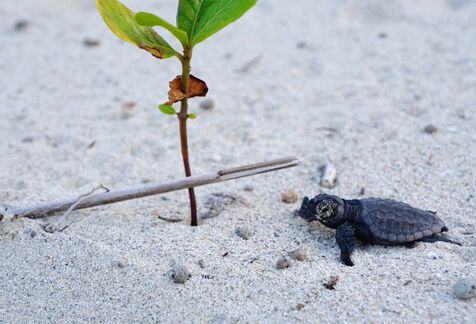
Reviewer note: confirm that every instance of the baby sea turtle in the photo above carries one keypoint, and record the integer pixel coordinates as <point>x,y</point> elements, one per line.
<point>373,221</point>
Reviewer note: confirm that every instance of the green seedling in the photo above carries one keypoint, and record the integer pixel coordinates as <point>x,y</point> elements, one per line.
<point>196,21</point>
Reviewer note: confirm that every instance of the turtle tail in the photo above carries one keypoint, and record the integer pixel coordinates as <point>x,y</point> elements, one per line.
<point>439,238</point>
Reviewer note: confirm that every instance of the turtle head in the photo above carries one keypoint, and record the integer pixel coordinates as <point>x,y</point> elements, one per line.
<point>327,209</point>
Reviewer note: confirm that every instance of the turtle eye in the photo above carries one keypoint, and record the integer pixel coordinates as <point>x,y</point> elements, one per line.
<point>324,210</point>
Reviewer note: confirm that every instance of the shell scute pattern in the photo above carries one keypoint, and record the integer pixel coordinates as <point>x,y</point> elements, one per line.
<point>406,227</point>
<point>394,221</point>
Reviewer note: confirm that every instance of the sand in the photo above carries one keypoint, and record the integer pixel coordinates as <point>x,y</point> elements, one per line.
<point>73,117</point>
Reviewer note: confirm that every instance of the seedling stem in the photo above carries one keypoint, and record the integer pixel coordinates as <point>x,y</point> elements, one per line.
<point>183,116</point>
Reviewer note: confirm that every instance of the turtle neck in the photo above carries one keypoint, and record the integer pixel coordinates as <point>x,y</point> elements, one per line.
<point>352,210</point>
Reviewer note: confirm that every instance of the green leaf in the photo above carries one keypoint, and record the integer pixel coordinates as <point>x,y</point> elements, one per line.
<point>151,20</point>
<point>203,18</point>
<point>192,116</point>
<point>166,109</point>
<point>122,23</point>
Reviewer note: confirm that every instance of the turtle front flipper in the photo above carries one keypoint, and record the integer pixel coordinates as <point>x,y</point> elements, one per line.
<point>307,211</point>
<point>345,237</point>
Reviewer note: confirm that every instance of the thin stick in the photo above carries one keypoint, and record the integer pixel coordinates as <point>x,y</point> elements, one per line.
<point>170,220</point>
<point>81,198</point>
<point>149,189</point>
<point>60,224</point>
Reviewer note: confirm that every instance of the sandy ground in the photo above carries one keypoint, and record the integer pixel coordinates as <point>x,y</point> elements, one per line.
<point>378,72</point>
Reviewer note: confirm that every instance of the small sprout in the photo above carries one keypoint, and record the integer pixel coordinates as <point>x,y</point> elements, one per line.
<point>168,110</point>
<point>196,21</point>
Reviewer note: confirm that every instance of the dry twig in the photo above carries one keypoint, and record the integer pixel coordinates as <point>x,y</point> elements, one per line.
<point>151,189</point>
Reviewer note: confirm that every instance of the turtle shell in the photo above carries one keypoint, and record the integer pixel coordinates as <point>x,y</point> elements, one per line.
<point>396,222</point>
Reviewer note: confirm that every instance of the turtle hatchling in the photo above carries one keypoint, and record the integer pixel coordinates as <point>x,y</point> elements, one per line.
<point>373,221</point>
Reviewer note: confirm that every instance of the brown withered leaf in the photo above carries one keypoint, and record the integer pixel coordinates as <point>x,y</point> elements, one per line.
<point>175,95</point>
<point>196,88</point>
<point>155,52</point>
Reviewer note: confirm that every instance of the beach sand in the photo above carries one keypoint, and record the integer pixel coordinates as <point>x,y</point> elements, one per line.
<point>357,80</point>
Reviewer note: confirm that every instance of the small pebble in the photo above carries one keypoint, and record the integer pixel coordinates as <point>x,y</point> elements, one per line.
<point>207,104</point>
<point>31,232</point>
<point>181,275</point>
<point>248,188</point>
<point>91,145</point>
<point>27,139</point>
<point>289,197</point>
<point>244,232</point>
<point>452,129</point>
<point>432,255</point>
<point>217,202</point>
<point>120,264</point>
<point>201,263</point>
<point>299,306</point>
<point>430,129</point>
<point>304,46</point>
<point>50,228</point>
<point>216,158</point>
<point>331,284</point>
<point>89,42</point>
<point>465,288</point>
<point>283,263</point>
<point>329,174</point>
<point>21,25</point>
<point>127,109</point>
<point>300,254</point>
